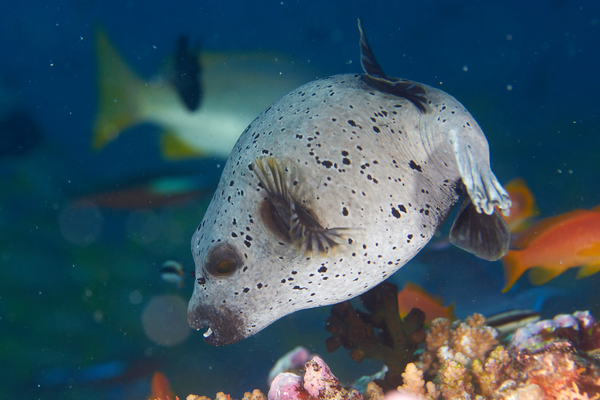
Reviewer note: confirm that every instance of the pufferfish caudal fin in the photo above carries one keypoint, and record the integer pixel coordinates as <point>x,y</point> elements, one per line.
<point>485,236</point>
<point>375,76</point>
<point>286,217</point>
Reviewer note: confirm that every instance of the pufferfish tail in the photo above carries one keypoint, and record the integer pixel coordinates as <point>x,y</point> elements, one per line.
<point>513,268</point>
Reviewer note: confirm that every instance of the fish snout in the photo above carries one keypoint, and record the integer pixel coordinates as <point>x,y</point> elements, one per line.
<point>224,326</point>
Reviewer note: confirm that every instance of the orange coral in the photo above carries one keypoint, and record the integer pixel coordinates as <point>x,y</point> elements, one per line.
<point>255,395</point>
<point>415,384</point>
<point>560,371</point>
<point>373,392</point>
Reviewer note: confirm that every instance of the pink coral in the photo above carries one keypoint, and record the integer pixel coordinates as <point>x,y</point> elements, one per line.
<point>318,383</point>
<point>285,386</point>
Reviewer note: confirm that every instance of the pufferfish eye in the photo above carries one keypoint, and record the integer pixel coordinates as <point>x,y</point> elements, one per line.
<point>223,260</point>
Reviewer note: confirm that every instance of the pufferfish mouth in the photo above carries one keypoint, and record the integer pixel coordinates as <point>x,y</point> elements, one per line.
<point>222,327</point>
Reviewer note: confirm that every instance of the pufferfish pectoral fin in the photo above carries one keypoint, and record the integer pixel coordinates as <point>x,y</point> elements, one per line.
<point>289,217</point>
<point>486,236</point>
<point>375,76</point>
<point>474,167</point>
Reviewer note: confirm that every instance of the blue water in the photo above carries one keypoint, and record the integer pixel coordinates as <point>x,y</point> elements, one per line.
<point>71,310</point>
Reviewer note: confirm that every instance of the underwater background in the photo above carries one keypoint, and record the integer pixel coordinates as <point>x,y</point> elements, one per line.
<point>80,288</point>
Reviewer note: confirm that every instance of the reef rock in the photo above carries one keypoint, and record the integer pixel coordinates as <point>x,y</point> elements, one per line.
<point>318,383</point>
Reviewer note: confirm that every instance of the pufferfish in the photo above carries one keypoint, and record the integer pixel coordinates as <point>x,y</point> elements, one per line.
<point>331,190</point>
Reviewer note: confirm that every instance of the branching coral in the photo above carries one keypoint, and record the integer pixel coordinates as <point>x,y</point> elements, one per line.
<point>396,340</point>
<point>462,342</point>
<point>546,360</point>
<point>255,395</point>
<point>550,360</point>
<point>490,373</point>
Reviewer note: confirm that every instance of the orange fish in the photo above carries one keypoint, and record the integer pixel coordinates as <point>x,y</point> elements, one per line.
<point>554,245</point>
<point>523,205</point>
<point>161,388</point>
<point>414,296</point>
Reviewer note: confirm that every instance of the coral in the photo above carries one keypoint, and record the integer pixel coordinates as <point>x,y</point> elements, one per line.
<point>559,369</point>
<point>318,383</point>
<point>573,393</point>
<point>255,395</point>
<point>459,341</point>
<point>439,335</point>
<point>490,373</point>
<point>415,384</point>
<point>413,380</point>
<point>396,340</point>
<point>546,360</point>
<point>580,329</point>
<point>373,392</point>
<point>455,381</point>
<point>557,359</point>
<point>525,392</point>
<point>473,338</point>
<point>553,360</point>
<point>292,361</point>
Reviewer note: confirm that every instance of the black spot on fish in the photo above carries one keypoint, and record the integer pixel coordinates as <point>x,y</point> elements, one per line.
<point>395,212</point>
<point>344,211</point>
<point>415,166</point>
<point>246,290</point>
<point>322,270</point>
<point>327,164</point>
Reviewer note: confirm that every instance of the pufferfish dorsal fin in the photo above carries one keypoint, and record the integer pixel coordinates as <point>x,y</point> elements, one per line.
<point>375,76</point>
<point>486,236</point>
<point>291,218</point>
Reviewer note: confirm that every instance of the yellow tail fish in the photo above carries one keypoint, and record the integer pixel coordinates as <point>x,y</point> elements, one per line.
<point>236,87</point>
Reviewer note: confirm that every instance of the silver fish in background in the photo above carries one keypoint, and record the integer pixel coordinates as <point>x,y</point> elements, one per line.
<point>201,100</point>
<point>334,188</point>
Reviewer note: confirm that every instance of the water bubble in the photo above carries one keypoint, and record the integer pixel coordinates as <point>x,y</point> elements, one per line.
<point>165,320</point>
<point>135,297</point>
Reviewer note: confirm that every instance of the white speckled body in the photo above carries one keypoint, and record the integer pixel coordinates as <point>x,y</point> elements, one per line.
<point>355,157</point>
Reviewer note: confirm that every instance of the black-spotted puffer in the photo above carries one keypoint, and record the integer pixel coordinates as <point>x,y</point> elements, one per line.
<point>331,190</point>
